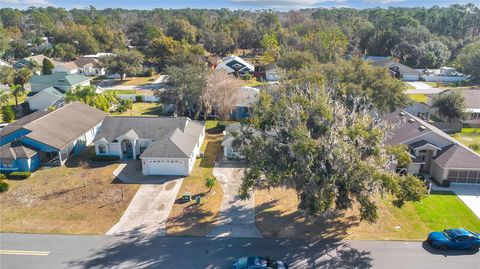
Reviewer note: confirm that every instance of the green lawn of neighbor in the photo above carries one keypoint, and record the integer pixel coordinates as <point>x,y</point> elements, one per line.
<point>421,98</point>
<point>143,109</point>
<point>468,136</point>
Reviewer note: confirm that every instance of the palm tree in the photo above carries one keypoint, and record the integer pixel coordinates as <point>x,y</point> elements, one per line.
<point>4,97</point>
<point>17,90</point>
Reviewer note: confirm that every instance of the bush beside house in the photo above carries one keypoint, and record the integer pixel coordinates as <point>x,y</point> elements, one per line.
<point>19,175</point>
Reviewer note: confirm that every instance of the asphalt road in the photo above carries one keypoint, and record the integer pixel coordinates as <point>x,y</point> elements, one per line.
<point>136,251</point>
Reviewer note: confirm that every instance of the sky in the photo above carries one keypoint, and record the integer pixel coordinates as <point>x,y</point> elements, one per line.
<point>231,4</point>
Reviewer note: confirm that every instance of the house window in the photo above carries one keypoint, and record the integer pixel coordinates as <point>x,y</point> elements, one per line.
<point>7,163</point>
<point>143,146</point>
<point>102,149</point>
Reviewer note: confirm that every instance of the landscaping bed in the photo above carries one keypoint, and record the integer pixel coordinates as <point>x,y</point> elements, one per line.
<point>82,197</point>
<point>277,216</point>
<point>190,219</point>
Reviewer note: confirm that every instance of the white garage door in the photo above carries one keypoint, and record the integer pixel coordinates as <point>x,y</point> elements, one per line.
<point>166,167</point>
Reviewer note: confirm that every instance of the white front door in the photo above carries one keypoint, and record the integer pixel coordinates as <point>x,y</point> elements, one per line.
<point>166,167</point>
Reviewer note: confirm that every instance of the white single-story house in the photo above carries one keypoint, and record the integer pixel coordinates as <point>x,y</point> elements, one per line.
<point>235,64</point>
<point>472,100</point>
<point>271,73</point>
<point>69,68</point>
<point>61,81</point>
<point>442,75</point>
<point>397,69</point>
<point>88,66</point>
<point>165,145</point>
<point>50,97</point>
<point>434,152</point>
<point>37,59</point>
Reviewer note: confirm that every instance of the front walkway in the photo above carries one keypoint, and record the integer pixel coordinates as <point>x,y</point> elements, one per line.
<point>237,217</point>
<point>468,193</point>
<point>149,209</point>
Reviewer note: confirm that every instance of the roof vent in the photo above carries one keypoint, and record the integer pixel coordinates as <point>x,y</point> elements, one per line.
<point>410,120</point>
<point>422,127</point>
<point>402,114</point>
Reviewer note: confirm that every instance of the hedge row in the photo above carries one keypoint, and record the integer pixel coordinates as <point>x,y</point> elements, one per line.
<point>19,175</point>
<point>104,158</point>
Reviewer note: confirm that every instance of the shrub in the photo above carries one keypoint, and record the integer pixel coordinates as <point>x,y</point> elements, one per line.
<point>210,182</point>
<point>475,147</point>
<point>104,158</point>
<point>138,98</point>
<point>2,176</point>
<point>221,126</point>
<point>247,76</point>
<point>149,72</point>
<point>124,105</point>
<point>3,186</point>
<point>19,175</point>
<point>8,114</point>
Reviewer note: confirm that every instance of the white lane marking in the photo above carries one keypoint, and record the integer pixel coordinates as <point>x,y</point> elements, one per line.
<point>23,252</point>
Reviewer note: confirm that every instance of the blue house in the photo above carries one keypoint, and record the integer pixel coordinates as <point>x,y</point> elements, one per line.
<point>48,137</point>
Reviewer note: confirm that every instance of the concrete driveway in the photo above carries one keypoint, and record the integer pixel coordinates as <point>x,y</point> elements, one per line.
<point>149,209</point>
<point>237,217</point>
<point>422,88</point>
<point>468,193</point>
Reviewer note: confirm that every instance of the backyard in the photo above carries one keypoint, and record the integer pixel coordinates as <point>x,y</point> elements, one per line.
<point>468,136</point>
<point>143,109</point>
<point>277,216</point>
<point>82,197</point>
<point>190,219</point>
<point>418,97</point>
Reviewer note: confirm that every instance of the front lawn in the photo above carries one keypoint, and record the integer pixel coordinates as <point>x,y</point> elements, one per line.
<point>132,81</point>
<point>421,98</point>
<point>82,197</point>
<point>190,219</point>
<point>143,109</point>
<point>253,83</point>
<point>277,216</point>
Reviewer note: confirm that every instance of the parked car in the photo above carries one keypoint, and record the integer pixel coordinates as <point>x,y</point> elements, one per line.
<point>454,239</point>
<point>259,262</point>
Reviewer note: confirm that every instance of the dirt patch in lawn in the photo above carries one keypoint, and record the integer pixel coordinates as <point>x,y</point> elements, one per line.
<point>277,215</point>
<point>81,197</point>
<point>191,219</point>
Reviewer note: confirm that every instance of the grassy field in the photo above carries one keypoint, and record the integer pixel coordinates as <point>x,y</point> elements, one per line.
<point>139,80</point>
<point>78,198</point>
<point>138,92</point>
<point>421,98</point>
<point>190,219</point>
<point>468,136</point>
<point>277,216</point>
<point>143,109</point>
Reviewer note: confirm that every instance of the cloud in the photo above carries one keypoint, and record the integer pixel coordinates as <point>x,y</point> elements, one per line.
<point>285,3</point>
<point>25,3</point>
<point>383,1</point>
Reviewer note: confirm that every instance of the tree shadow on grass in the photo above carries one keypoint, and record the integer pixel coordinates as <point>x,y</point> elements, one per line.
<point>278,224</point>
<point>213,147</point>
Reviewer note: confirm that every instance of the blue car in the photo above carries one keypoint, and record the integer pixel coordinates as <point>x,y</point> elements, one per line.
<point>258,262</point>
<point>454,239</point>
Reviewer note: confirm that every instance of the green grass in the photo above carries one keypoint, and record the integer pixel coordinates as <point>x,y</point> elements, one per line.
<point>468,136</point>
<point>143,109</point>
<point>21,99</point>
<point>421,98</point>
<point>123,91</point>
<point>253,83</point>
<point>445,210</point>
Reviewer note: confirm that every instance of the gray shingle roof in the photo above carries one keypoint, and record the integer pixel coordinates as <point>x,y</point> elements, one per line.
<point>60,79</point>
<point>16,149</point>
<point>472,97</point>
<point>16,125</point>
<point>62,126</point>
<point>458,156</point>
<point>403,69</point>
<point>172,137</point>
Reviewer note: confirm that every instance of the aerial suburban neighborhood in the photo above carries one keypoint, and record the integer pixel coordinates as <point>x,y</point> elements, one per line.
<point>240,134</point>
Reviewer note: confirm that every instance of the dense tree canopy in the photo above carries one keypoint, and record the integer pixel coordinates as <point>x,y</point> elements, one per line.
<point>324,146</point>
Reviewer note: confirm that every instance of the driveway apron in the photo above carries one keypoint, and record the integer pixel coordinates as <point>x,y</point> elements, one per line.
<point>237,217</point>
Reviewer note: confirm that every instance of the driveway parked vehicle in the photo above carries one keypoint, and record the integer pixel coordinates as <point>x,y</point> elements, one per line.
<point>454,239</point>
<point>258,262</point>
